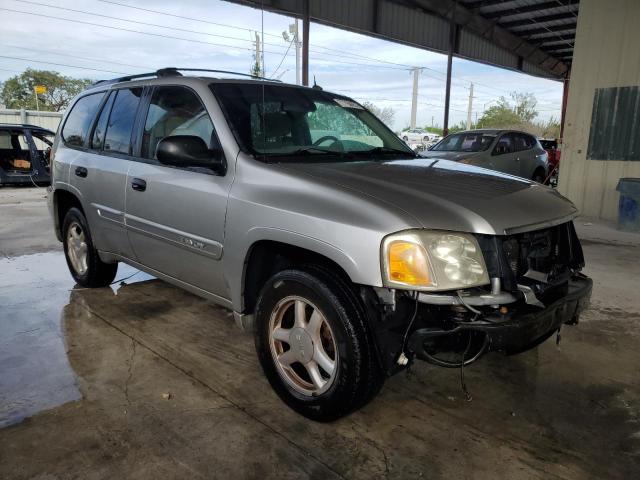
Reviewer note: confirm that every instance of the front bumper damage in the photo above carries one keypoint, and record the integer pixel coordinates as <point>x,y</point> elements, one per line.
<point>516,331</point>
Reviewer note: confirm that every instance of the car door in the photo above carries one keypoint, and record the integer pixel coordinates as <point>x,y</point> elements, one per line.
<point>175,216</point>
<point>529,161</point>
<point>504,158</point>
<point>99,166</point>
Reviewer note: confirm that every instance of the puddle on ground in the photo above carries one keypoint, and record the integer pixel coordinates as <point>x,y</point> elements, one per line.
<point>35,374</point>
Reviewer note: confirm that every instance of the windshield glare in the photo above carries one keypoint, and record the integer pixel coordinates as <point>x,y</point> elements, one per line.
<point>297,124</point>
<point>465,142</point>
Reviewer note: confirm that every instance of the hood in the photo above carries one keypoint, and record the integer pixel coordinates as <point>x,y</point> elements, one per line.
<point>446,195</point>
<point>455,156</point>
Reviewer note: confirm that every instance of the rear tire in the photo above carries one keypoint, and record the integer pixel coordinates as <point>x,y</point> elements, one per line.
<point>82,258</point>
<point>349,372</point>
<point>538,176</point>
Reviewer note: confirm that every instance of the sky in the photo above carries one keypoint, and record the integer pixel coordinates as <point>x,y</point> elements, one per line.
<point>100,39</point>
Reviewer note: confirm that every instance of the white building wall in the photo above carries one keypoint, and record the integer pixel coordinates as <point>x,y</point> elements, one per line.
<point>48,120</point>
<point>606,55</point>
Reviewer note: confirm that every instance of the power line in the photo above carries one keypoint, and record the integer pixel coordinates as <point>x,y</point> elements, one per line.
<point>63,65</point>
<point>138,22</point>
<point>159,12</point>
<point>51,52</point>
<point>283,57</point>
<point>182,38</point>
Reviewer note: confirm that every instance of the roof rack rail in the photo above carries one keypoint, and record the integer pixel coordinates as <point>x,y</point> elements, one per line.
<point>175,72</point>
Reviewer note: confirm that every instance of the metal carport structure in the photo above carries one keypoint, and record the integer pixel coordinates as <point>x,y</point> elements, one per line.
<point>531,36</point>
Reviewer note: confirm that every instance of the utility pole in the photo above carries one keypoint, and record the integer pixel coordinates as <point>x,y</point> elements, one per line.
<point>414,97</point>
<point>259,58</point>
<point>470,108</point>
<point>294,31</point>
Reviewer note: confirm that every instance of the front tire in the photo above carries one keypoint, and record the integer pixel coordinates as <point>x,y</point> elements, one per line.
<point>313,344</point>
<point>82,258</point>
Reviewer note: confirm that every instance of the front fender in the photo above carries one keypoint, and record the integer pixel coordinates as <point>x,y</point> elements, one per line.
<point>236,258</point>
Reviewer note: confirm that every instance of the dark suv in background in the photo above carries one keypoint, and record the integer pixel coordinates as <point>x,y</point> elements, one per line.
<point>24,154</point>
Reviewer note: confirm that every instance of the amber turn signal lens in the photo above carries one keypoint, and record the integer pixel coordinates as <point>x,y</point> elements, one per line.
<point>408,263</point>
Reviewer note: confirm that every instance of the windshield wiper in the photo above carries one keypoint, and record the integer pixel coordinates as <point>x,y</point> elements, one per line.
<point>385,150</point>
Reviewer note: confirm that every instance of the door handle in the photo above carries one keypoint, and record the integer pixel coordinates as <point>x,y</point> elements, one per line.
<point>81,172</point>
<point>138,185</point>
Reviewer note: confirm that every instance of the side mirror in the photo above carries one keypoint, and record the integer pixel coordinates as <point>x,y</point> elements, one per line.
<point>189,151</point>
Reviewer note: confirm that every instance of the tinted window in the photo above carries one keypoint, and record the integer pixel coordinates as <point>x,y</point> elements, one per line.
<point>175,111</point>
<point>120,125</point>
<point>504,145</point>
<point>521,142</point>
<point>101,127</point>
<point>80,119</point>
<point>465,142</point>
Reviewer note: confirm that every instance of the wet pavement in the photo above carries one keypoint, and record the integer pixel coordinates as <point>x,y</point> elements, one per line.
<point>143,380</point>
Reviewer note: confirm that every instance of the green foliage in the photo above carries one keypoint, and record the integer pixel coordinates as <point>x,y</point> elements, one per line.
<point>460,127</point>
<point>520,111</point>
<point>255,69</point>
<point>18,91</point>
<point>519,114</point>
<point>436,130</point>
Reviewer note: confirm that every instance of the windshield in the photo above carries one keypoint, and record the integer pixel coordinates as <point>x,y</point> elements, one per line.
<point>465,142</point>
<point>285,123</point>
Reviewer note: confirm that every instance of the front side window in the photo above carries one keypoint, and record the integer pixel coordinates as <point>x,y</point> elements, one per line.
<point>283,123</point>
<point>121,120</point>
<point>80,118</point>
<point>175,111</point>
<point>465,142</point>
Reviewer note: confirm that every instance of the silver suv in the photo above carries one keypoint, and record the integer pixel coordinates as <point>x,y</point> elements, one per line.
<point>347,254</point>
<point>508,151</point>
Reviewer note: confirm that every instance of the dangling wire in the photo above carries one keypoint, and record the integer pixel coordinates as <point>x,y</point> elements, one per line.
<point>413,317</point>
<point>463,384</point>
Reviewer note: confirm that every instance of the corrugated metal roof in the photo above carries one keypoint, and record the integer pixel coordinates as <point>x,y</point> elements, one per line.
<point>535,36</point>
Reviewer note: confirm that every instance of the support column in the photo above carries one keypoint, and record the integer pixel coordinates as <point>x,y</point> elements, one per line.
<point>565,97</point>
<point>447,95</point>
<point>305,43</point>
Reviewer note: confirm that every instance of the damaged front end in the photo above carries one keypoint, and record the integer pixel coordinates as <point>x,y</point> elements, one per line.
<point>535,288</point>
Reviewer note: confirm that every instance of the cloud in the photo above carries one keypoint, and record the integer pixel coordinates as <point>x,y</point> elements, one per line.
<point>220,36</point>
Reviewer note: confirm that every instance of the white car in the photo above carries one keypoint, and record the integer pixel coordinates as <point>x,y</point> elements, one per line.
<point>416,135</point>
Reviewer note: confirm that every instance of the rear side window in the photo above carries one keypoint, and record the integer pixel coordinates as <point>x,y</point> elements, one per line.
<point>101,127</point>
<point>121,120</point>
<point>80,118</point>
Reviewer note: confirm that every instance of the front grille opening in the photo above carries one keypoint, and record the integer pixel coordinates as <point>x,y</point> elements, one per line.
<point>542,258</point>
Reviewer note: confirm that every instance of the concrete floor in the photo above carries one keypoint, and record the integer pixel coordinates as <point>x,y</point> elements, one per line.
<point>143,380</point>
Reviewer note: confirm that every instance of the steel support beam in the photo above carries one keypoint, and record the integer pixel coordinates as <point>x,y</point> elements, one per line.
<point>452,43</point>
<point>565,97</point>
<point>305,43</point>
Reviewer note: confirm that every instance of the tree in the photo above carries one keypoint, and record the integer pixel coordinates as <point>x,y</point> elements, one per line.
<point>515,114</point>
<point>18,91</point>
<point>386,114</point>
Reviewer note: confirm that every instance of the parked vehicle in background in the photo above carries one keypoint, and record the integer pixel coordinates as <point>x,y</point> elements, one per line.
<point>24,154</point>
<point>508,151</point>
<point>416,135</point>
<point>553,151</point>
<point>348,255</point>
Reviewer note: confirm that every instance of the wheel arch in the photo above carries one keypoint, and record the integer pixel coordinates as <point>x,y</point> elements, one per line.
<point>63,200</point>
<point>266,256</point>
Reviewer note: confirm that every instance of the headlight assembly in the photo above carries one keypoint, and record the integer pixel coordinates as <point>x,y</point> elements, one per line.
<point>432,260</point>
